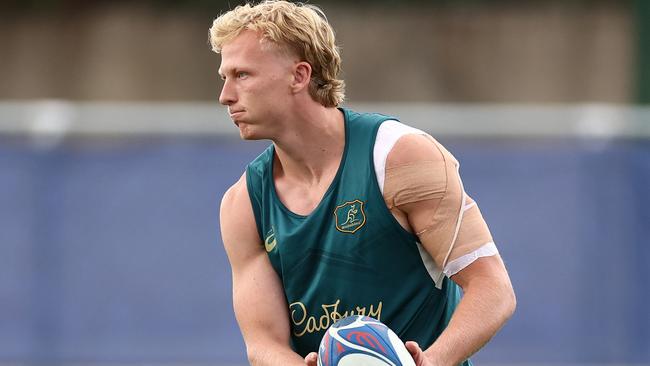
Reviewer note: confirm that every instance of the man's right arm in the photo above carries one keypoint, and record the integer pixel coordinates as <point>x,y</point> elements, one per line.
<point>258,298</point>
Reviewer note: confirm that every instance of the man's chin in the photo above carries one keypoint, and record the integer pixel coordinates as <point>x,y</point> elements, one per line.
<point>245,133</point>
<point>251,137</point>
<point>246,137</point>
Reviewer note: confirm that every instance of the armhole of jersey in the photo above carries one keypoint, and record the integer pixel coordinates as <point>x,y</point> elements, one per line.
<point>256,208</point>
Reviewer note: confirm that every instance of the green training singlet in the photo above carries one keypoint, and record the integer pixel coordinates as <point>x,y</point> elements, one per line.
<point>350,255</point>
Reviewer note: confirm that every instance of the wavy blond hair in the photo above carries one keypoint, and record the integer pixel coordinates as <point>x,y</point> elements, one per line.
<point>299,28</point>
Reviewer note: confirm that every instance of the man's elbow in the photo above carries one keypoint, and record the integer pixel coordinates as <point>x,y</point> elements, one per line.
<point>255,355</point>
<point>265,353</point>
<point>509,301</point>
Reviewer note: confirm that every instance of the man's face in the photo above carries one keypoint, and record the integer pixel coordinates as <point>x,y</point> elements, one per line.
<point>256,89</point>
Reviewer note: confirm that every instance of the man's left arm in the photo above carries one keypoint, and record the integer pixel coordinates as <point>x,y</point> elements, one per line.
<point>488,302</point>
<point>453,232</point>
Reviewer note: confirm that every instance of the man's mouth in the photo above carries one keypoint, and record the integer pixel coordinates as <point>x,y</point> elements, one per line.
<point>235,113</point>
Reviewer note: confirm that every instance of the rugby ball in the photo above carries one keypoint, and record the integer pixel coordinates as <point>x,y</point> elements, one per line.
<point>362,341</point>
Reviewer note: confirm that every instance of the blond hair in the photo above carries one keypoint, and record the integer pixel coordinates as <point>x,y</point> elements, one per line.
<point>299,28</point>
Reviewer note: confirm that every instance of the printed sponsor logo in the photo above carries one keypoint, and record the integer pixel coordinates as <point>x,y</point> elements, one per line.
<point>304,323</point>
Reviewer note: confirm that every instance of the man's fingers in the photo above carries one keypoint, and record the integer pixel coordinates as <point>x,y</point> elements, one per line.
<point>311,359</point>
<point>413,348</point>
<point>416,352</point>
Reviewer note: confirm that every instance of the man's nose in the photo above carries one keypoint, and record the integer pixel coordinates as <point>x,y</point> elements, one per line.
<point>228,95</point>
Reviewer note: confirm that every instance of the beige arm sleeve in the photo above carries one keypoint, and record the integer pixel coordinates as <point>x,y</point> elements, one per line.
<point>451,225</point>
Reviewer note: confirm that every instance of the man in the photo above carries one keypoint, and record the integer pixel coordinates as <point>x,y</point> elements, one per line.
<point>345,213</point>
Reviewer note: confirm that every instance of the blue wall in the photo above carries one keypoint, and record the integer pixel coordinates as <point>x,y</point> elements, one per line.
<point>110,249</point>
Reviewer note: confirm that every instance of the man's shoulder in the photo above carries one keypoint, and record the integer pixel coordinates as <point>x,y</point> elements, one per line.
<point>237,222</point>
<point>399,143</point>
<point>236,211</point>
<point>235,194</point>
<point>413,148</point>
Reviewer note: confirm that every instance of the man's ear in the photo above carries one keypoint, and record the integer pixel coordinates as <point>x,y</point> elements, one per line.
<point>301,76</point>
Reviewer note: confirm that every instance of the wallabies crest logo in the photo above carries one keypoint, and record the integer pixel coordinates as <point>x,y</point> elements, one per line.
<point>350,216</point>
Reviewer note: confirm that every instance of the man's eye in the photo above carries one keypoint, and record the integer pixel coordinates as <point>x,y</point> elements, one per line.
<point>242,74</point>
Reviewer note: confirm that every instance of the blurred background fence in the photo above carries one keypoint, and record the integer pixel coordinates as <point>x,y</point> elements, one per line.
<point>114,156</point>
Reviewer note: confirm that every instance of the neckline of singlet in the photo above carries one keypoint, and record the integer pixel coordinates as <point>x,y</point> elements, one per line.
<point>329,190</point>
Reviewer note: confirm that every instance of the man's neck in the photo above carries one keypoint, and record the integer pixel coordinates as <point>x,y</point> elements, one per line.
<point>312,147</point>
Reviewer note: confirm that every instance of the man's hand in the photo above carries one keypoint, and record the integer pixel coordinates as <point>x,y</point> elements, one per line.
<point>311,359</point>
<point>418,355</point>
<point>413,348</point>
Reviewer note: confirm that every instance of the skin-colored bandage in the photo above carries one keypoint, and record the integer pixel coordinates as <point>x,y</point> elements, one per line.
<point>414,183</point>
<point>473,232</point>
<point>437,185</point>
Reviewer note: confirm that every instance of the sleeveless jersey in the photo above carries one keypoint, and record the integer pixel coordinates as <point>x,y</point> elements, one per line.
<point>350,255</point>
